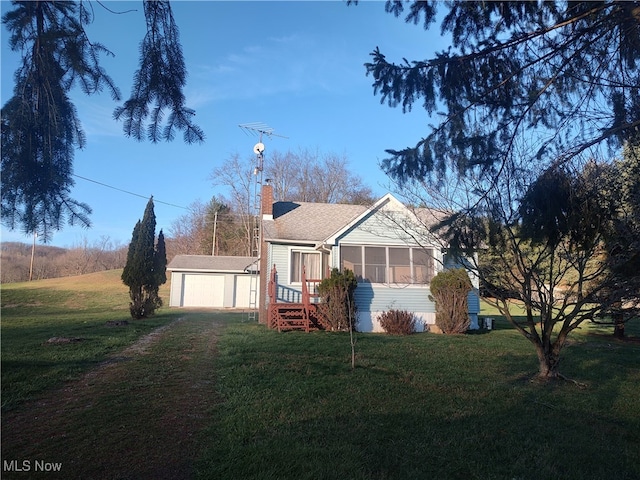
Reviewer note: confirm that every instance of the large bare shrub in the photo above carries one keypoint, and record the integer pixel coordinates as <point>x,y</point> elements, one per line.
<point>398,322</point>
<point>450,289</point>
<point>337,309</point>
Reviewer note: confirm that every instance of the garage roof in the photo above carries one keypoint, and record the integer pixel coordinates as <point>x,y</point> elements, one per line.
<point>208,263</point>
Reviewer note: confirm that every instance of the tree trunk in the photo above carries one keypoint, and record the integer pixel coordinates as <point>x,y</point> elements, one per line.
<point>618,325</point>
<point>548,361</point>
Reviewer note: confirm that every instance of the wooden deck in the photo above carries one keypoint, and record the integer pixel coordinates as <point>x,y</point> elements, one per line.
<point>293,316</point>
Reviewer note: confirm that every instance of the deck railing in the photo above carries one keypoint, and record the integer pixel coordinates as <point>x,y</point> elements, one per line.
<point>290,315</point>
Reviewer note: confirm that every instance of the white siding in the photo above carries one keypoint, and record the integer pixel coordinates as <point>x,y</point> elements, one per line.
<point>242,288</point>
<point>368,321</point>
<point>175,294</point>
<point>214,290</point>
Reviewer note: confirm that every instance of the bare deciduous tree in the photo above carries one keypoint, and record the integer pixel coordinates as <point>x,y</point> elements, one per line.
<point>238,175</point>
<point>194,233</point>
<point>304,176</point>
<point>546,247</point>
<point>313,176</point>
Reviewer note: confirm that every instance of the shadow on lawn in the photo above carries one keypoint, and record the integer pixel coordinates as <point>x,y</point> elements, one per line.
<point>599,372</point>
<point>430,444</point>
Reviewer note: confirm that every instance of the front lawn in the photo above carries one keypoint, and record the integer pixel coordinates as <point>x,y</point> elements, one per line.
<point>215,396</point>
<point>424,406</point>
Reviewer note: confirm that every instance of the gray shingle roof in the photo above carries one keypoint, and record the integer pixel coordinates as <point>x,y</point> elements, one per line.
<point>210,264</point>
<point>309,222</point>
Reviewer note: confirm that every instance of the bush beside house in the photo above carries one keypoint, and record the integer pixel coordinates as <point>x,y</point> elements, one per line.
<point>450,290</point>
<point>398,322</point>
<point>338,307</point>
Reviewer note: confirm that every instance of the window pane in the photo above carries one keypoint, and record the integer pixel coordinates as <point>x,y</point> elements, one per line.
<point>351,258</point>
<point>311,262</point>
<point>296,265</point>
<point>375,259</point>
<point>423,265</point>
<point>399,265</point>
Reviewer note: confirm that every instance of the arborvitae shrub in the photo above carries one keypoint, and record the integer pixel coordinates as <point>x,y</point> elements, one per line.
<point>145,269</point>
<point>398,322</point>
<point>450,290</point>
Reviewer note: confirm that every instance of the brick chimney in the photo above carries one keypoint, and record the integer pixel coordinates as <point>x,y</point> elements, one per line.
<point>266,208</point>
<point>267,201</point>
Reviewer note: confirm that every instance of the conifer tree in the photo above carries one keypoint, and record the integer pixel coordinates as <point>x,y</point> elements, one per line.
<point>563,76</point>
<point>146,266</point>
<point>40,124</point>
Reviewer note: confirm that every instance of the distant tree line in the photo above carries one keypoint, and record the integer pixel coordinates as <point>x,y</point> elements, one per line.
<point>50,262</point>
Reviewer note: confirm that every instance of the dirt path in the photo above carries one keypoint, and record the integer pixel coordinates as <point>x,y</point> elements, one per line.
<point>136,416</point>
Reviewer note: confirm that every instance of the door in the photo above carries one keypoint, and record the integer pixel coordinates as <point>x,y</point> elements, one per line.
<point>203,290</point>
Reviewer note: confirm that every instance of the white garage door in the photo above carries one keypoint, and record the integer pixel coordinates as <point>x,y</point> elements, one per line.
<point>203,290</point>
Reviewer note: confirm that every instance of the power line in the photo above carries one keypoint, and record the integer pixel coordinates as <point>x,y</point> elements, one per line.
<point>130,193</point>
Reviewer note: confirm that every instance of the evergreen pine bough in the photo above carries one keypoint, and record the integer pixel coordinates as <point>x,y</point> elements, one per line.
<point>146,266</point>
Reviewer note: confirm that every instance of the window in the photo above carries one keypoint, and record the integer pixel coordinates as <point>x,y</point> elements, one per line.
<point>423,265</point>
<point>404,265</point>
<point>312,263</point>
<point>375,266</point>
<point>351,258</point>
<point>399,265</point>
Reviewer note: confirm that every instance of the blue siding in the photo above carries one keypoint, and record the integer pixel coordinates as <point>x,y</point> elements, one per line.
<point>378,298</point>
<point>380,230</point>
<point>375,229</point>
<point>466,263</point>
<point>473,300</point>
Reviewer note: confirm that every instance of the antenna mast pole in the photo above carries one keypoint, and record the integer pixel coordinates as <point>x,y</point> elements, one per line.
<point>256,129</point>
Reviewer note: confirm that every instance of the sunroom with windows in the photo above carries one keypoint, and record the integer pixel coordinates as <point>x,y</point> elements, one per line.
<point>389,264</point>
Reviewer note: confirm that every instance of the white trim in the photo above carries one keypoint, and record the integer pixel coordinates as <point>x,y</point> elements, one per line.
<point>207,270</point>
<point>300,249</point>
<point>303,243</point>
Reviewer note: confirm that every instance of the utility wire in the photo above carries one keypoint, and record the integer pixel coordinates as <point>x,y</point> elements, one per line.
<point>130,193</point>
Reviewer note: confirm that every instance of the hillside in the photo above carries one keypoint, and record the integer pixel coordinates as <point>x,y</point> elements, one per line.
<point>80,292</point>
<point>52,262</point>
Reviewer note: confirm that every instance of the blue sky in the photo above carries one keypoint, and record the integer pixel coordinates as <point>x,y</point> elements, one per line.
<point>294,66</point>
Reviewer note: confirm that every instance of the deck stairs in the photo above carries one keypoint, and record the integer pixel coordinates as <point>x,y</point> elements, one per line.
<point>286,316</point>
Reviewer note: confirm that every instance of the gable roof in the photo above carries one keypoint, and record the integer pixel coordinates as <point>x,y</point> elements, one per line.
<point>321,223</point>
<point>208,263</point>
<point>387,201</point>
<point>306,222</point>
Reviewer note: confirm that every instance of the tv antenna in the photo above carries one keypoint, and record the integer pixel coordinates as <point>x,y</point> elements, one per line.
<point>256,129</point>
<point>259,129</point>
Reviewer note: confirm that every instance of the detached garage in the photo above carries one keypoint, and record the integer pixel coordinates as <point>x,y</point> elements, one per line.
<point>214,282</point>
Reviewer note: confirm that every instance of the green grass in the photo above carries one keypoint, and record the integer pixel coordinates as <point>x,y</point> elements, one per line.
<point>135,419</point>
<point>217,397</point>
<point>424,406</point>
<point>73,307</point>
